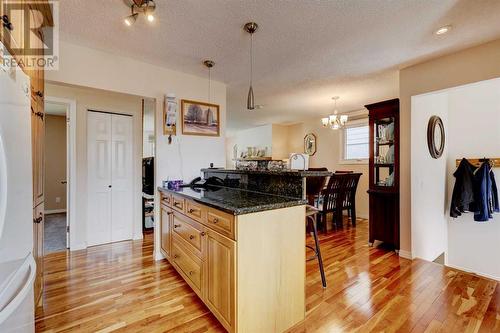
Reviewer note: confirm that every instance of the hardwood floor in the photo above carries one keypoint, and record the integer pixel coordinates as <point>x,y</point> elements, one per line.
<point>119,288</point>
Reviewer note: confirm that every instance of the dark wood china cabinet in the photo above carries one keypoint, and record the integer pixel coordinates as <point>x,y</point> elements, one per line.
<point>384,172</point>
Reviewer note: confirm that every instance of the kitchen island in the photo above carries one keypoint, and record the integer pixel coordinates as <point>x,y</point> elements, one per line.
<point>242,252</point>
<point>287,182</point>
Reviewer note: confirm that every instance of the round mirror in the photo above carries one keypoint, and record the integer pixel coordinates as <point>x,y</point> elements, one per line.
<point>310,144</point>
<point>435,136</point>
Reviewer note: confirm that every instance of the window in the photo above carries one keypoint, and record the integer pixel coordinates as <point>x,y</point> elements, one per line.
<point>355,143</point>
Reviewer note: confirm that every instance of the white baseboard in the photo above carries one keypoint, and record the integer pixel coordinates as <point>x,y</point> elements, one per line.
<point>138,236</point>
<point>405,254</point>
<point>80,246</point>
<point>488,276</point>
<point>55,211</point>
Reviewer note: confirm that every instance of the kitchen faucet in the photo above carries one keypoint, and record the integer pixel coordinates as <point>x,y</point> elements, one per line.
<point>295,156</point>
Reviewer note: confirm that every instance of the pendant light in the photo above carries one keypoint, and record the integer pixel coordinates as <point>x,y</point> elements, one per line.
<point>209,64</point>
<point>251,28</point>
<point>335,121</point>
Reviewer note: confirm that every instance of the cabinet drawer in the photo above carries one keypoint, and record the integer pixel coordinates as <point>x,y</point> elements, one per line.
<point>178,203</point>
<point>221,222</point>
<point>195,211</point>
<point>166,199</point>
<point>188,263</point>
<point>190,231</point>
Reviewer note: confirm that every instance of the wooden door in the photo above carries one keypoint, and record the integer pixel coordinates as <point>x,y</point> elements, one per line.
<point>38,227</point>
<point>166,229</point>
<point>122,197</point>
<point>99,178</point>
<point>220,277</point>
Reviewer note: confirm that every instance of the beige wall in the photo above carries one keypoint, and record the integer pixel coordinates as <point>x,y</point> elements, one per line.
<point>328,155</point>
<point>182,159</point>
<point>467,66</point>
<point>281,140</point>
<point>100,100</point>
<point>55,162</point>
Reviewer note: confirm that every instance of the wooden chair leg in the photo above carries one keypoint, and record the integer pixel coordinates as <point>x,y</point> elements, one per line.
<point>353,216</point>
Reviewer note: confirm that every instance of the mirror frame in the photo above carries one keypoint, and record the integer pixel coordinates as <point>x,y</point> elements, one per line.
<point>308,136</point>
<point>435,123</point>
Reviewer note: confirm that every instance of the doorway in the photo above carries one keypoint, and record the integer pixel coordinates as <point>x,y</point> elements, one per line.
<point>148,165</point>
<point>60,207</point>
<point>58,153</point>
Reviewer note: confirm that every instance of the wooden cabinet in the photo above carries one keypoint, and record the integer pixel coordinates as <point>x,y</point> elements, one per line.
<point>165,229</point>
<point>12,33</point>
<point>220,277</point>
<point>38,235</point>
<point>38,152</point>
<point>266,265</point>
<point>13,37</point>
<point>384,172</point>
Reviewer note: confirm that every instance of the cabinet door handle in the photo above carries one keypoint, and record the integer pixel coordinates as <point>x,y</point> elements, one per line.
<point>191,272</point>
<point>38,220</point>
<point>177,225</point>
<point>169,213</point>
<point>215,220</point>
<point>203,233</point>
<point>177,204</point>
<point>191,237</point>
<point>176,256</point>
<point>191,211</point>
<point>39,94</point>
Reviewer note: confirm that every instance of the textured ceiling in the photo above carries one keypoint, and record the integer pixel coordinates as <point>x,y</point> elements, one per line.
<point>306,51</point>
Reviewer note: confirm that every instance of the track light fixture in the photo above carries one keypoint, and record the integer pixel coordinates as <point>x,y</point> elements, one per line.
<point>147,7</point>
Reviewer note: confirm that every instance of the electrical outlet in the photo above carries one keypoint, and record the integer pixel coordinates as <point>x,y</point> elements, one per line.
<point>58,199</point>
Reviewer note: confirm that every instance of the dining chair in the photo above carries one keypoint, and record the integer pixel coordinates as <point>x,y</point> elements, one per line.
<point>350,186</point>
<point>314,186</point>
<point>332,201</point>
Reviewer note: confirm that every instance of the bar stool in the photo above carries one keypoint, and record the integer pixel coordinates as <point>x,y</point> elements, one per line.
<point>311,220</point>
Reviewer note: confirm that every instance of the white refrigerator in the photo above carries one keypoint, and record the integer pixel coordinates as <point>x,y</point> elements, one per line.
<point>17,266</point>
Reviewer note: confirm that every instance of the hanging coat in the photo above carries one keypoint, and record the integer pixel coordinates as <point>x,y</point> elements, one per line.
<point>485,194</point>
<point>462,199</point>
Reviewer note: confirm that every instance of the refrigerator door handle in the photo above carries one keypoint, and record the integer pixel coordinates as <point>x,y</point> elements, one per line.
<point>30,264</point>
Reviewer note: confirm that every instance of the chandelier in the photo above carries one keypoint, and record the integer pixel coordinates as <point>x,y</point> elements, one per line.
<point>335,121</point>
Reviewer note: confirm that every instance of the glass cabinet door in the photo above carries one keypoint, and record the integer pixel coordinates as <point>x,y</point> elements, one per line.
<point>384,155</point>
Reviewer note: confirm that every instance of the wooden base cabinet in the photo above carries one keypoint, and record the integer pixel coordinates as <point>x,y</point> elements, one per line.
<point>220,277</point>
<point>249,270</point>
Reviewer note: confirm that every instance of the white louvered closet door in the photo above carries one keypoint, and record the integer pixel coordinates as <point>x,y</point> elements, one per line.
<point>110,178</point>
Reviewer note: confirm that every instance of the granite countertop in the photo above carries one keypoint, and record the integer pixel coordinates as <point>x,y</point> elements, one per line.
<point>288,172</point>
<point>236,201</point>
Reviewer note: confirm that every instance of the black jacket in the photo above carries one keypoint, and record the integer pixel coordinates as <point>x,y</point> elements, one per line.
<point>462,199</point>
<point>485,194</point>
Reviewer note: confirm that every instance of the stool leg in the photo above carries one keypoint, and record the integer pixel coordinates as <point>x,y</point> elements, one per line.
<point>318,252</point>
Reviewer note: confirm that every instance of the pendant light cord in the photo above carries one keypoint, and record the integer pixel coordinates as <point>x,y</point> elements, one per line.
<point>251,59</point>
<point>209,85</point>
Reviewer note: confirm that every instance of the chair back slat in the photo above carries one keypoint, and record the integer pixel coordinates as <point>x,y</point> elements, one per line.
<point>314,185</point>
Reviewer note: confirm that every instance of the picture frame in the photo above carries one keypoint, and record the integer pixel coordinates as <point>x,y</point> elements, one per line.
<point>310,144</point>
<point>169,115</point>
<point>200,118</point>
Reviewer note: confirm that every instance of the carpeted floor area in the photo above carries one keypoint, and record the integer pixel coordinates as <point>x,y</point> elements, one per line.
<point>55,233</point>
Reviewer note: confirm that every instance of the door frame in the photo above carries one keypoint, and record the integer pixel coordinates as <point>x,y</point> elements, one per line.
<point>71,169</point>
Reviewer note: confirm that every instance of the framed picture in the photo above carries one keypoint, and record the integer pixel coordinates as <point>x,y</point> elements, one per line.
<point>199,118</point>
<point>169,115</point>
<point>310,144</point>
